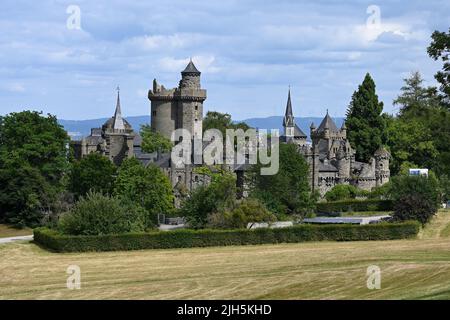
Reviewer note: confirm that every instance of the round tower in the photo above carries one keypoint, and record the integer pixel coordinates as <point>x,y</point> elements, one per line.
<point>382,172</point>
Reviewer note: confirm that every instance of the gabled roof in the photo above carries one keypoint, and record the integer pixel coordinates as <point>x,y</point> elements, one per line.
<point>327,122</point>
<point>190,68</point>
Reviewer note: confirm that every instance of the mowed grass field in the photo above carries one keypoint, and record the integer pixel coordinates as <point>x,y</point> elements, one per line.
<point>410,269</point>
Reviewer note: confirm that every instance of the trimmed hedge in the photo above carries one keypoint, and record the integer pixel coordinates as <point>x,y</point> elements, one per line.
<point>207,238</point>
<point>355,205</point>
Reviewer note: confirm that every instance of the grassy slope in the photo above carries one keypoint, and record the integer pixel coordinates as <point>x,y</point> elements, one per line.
<point>322,270</point>
<point>8,231</point>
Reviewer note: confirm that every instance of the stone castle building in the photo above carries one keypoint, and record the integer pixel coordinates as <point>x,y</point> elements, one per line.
<point>180,107</point>
<point>115,139</point>
<point>331,158</point>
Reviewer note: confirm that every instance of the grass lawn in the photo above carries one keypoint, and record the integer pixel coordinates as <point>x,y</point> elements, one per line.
<point>8,231</point>
<point>410,269</point>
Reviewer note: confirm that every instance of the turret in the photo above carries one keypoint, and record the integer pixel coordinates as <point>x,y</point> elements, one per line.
<point>344,131</point>
<point>190,77</point>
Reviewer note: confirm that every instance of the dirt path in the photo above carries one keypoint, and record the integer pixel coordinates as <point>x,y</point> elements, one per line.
<point>436,226</point>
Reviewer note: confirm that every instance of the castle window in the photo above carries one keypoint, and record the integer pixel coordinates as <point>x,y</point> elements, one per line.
<point>196,179</point>
<point>196,108</point>
<point>154,113</point>
<point>196,120</point>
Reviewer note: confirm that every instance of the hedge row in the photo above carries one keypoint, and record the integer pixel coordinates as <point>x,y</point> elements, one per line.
<point>355,205</point>
<point>206,238</point>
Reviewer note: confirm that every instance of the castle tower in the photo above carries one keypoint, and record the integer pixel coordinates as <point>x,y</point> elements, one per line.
<point>181,107</point>
<point>382,171</point>
<point>343,163</point>
<point>292,133</point>
<point>288,120</point>
<point>190,101</point>
<point>118,136</point>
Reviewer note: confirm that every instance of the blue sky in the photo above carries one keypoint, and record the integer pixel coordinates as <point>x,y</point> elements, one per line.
<point>248,52</point>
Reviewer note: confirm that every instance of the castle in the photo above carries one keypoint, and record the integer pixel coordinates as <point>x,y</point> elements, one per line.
<point>330,157</point>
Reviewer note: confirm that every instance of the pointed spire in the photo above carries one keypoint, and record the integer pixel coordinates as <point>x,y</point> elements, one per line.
<point>288,120</point>
<point>118,121</point>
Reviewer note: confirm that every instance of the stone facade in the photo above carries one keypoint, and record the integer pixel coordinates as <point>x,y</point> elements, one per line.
<point>115,139</point>
<point>331,158</point>
<point>180,107</point>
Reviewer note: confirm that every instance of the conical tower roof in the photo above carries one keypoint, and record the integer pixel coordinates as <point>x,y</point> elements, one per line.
<point>190,68</point>
<point>327,123</point>
<point>118,123</point>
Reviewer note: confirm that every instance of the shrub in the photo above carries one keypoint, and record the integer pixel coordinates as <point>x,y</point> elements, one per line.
<point>355,205</point>
<point>98,214</point>
<point>206,238</point>
<point>341,192</point>
<point>249,210</point>
<point>415,197</point>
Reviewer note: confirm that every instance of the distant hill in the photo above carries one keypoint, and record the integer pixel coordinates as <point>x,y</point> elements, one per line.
<point>81,128</point>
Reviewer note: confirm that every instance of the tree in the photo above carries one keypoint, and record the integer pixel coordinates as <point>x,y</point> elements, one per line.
<point>247,211</point>
<point>221,122</point>
<point>94,172</point>
<point>365,123</point>
<point>33,160</point>
<point>415,99</point>
<point>420,135</point>
<point>219,195</point>
<point>440,49</point>
<point>288,191</point>
<point>341,192</point>
<point>415,197</point>
<point>99,214</point>
<point>153,141</point>
<point>410,142</point>
<point>146,186</point>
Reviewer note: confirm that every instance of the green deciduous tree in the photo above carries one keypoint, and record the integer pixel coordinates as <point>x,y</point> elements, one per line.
<point>145,186</point>
<point>288,191</point>
<point>420,135</point>
<point>221,122</point>
<point>341,192</point>
<point>94,172</point>
<point>219,195</point>
<point>415,197</point>
<point>33,160</point>
<point>153,141</point>
<point>247,211</point>
<point>365,123</point>
<point>440,49</point>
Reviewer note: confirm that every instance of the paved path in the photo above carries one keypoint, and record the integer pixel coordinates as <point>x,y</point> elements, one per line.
<point>12,239</point>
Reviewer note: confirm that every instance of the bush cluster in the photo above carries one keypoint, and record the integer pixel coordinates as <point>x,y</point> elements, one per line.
<point>206,238</point>
<point>355,205</point>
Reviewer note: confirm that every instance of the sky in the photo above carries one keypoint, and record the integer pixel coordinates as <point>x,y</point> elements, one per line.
<point>249,52</point>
